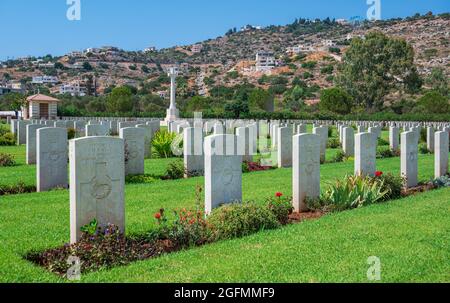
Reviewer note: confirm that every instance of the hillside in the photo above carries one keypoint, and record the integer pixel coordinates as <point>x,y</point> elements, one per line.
<point>229,60</point>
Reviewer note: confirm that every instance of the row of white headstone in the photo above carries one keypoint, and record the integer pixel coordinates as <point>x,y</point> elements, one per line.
<point>99,164</point>
<point>47,148</point>
<point>97,171</point>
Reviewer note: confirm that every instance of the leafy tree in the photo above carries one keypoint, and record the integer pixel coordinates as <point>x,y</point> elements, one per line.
<point>336,100</point>
<point>434,103</point>
<point>87,66</point>
<point>59,65</point>
<point>120,100</point>
<point>438,81</point>
<point>374,66</point>
<point>236,108</point>
<point>15,101</point>
<point>197,103</point>
<point>260,99</point>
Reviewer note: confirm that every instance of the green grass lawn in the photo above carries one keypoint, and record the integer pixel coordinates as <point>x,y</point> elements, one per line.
<point>27,173</point>
<point>410,235</point>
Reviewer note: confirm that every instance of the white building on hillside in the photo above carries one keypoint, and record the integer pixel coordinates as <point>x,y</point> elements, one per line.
<point>197,48</point>
<point>150,49</point>
<point>45,80</point>
<point>265,61</point>
<point>300,48</point>
<point>74,89</point>
<point>328,43</point>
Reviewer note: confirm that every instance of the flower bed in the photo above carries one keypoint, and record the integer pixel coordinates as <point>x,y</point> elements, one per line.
<point>104,248</point>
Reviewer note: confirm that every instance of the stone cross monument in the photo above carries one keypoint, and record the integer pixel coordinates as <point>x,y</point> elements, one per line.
<point>172,113</point>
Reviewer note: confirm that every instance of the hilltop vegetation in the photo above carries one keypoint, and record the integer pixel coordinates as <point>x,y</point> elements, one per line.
<point>220,79</point>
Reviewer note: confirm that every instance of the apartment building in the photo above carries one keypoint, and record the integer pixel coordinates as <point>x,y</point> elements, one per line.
<point>265,61</point>
<point>73,88</point>
<point>45,80</point>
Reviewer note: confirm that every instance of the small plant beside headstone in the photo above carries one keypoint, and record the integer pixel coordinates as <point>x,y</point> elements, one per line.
<point>7,160</point>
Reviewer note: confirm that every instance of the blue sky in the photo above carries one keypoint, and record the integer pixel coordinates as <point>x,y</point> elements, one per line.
<point>39,27</point>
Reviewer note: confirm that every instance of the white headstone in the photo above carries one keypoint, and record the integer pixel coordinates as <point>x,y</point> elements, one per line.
<point>134,150</point>
<point>31,143</point>
<point>284,147</point>
<point>441,141</point>
<point>244,134</point>
<point>430,139</point>
<point>348,143</point>
<point>322,132</point>
<point>51,158</point>
<point>97,183</point>
<point>306,169</point>
<point>393,138</point>
<point>365,154</point>
<point>194,159</point>
<point>223,171</point>
<point>301,129</point>
<point>218,129</point>
<point>147,139</point>
<point>96,130</point>
<point>21,132</point>
<point>408,156</point>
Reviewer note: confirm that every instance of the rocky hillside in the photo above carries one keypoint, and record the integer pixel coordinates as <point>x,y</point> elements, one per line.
<point>229,60</point>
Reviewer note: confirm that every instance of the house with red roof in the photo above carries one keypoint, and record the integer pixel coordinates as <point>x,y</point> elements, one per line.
<point>40,107</point>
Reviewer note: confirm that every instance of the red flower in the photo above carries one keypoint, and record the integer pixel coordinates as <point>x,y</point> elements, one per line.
<point>279,195</point>
<point>158,216</point>
<point>378,174</point>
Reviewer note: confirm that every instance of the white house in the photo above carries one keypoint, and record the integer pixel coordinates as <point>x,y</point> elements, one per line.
<point>300,48</point>
<point>46,65</point>
<point>150,49</point>
<point>265,61</point>
<point>45,80</point>
<point>74,89</point>
<point>329,43</point>
<point>197,48</point>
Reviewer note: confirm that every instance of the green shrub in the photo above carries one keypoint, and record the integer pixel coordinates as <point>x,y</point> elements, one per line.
<point>443,181</point>
<point>338,157</point>
<point>423,135</point>
<point>19,188</point>
<point>239,220</point>
<point>392,184</point>
<point>423,149</point>
<point>353,192</point>
<point>140,179</point>
<point>189,228</point>
<point>162,144</point>
<point>333,143</point>
<point>71,133</point>
<point>382,142</point>
<point>330,131</point>
<point>281,207</point>
<point>386,152</point>
<point>7,160</point>
<point>175,170</point>
<point>7,139</point>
